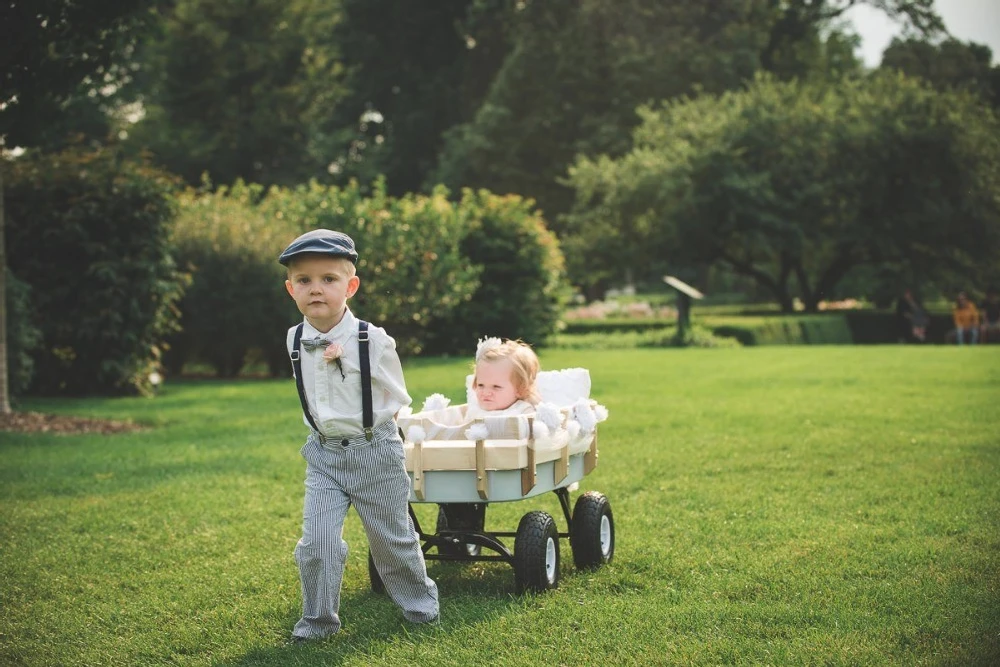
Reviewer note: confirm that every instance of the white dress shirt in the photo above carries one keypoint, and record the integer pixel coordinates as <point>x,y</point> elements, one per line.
<point>335,401</point>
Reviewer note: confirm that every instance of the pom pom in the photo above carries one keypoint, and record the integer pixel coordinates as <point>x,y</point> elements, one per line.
<point>404,412</point>
<point>573,487</point>
<point>601,413</point>
<point>435,402</point>
<point>485,345</point>
<point>541,431</point>
<point>416,435</point>
<point>584,415</point>
<point>477,432</point>
<point>573,428</point>
<point>548,414</point>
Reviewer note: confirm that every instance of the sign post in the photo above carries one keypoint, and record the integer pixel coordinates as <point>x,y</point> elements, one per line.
<point>684,295</point>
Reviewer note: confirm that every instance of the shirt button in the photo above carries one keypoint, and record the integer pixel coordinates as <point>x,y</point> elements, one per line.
<point>344,442</point>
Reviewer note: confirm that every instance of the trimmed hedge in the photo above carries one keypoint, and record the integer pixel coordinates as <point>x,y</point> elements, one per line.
<point>823,329</point>
<point>860,327</point>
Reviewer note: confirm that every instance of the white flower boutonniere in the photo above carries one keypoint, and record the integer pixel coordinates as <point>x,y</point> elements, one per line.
<point>333,352</point>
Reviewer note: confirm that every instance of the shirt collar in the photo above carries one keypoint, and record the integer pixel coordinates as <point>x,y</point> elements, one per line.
<point>348,323</point>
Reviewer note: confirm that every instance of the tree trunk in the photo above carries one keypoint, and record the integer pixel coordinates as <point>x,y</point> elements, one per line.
<point>4,384</point>
<point>777,286</point>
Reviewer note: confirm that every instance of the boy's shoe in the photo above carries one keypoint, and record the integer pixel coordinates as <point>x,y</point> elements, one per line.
<point>431,622</point>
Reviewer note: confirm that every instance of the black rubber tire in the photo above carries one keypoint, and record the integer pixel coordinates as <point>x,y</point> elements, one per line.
<point>463,518</point>
<point>378,586</point>
<point>592,534</point>
<point>536,553</point>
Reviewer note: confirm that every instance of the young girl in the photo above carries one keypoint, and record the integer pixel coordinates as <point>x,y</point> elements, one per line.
<point>504,378</point>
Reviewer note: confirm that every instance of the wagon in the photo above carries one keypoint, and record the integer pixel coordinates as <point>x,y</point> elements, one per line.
<point>463,460</point>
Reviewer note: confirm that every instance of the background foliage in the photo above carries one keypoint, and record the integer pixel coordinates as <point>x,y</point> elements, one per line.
<point>88,233</point>
<point>877,171</point>
<point>522,283</point>
<point>236,300</point>
<point>820,179</point>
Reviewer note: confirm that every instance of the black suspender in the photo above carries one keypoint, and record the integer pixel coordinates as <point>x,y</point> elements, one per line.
<point>367,415</point>
<point>297,369</point>
<point>366,379</point>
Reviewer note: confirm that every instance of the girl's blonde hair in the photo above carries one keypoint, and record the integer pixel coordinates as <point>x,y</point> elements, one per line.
<point>522,359</point>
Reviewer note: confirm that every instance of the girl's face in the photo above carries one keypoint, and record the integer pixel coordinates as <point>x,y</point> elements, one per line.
<point>494,385</point>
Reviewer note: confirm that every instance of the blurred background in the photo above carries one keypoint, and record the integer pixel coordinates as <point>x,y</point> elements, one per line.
<point>508,167</point>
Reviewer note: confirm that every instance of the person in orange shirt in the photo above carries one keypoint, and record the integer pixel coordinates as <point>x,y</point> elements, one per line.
<point>966,318</point>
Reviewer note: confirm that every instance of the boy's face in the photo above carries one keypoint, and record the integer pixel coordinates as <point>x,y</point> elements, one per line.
<point>494,385</point>
<point>320,285</point>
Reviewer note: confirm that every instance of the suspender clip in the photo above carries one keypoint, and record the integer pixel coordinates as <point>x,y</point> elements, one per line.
<point>294,355</point>
<point>369,433</point>
<point>362,335</point>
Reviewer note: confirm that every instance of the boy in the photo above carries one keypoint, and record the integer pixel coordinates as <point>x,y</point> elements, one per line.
<point>351,386</point>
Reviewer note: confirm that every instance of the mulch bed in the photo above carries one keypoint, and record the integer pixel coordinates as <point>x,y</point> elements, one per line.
<point>38,422</point>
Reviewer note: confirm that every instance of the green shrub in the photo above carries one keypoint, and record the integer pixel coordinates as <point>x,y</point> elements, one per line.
<point>522,288</point>
<point>236,301</point>
<point>88,232</point>
<point>23,336</point>
<point>412,271</point>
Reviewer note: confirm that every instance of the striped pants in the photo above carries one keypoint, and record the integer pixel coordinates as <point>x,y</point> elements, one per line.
<point>372,477</point>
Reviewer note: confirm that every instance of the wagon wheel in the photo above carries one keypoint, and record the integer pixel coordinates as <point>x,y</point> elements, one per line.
<point>460,517</point>
<point>536,553</point>
<point>592,534</point>
<point>378,586</point>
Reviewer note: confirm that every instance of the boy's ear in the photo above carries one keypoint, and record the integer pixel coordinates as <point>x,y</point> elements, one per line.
<point>352,286</point>
<point>290,288</point>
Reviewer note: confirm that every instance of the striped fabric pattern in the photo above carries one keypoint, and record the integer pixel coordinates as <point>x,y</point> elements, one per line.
<point>372,477</point>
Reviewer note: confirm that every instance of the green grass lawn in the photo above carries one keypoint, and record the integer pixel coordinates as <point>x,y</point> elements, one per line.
<point>774,505</point>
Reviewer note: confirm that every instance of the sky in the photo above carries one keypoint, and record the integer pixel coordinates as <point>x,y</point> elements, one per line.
<point>967,20</point>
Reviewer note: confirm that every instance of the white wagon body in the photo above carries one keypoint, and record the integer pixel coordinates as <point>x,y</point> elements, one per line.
<point>463,459</point>
<point>519,457</point>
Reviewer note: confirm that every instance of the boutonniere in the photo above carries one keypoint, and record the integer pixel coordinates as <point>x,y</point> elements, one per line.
<point>333,352</point>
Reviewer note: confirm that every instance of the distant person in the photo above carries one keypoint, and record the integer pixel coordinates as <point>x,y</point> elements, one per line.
<point>966,318</point>
<point>912,317</point>
<point>989,310</point>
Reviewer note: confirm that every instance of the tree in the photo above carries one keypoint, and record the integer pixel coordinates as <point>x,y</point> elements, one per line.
<point>795,31</point>
<point>573,78</point>
<point>413,70</point>
<point>876,171</point>
<point>241,89</point>
<point>4,384</point>
<point>52,51</point>
<point>576,71</point>
<point>48,49</point>
<point>949,64</point>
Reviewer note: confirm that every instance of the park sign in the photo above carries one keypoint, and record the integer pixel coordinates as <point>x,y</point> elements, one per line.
<point>684,295</point>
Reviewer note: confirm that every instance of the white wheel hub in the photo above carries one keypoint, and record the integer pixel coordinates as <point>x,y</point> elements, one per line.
<point>605,535</point>
<point>550,560</point>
